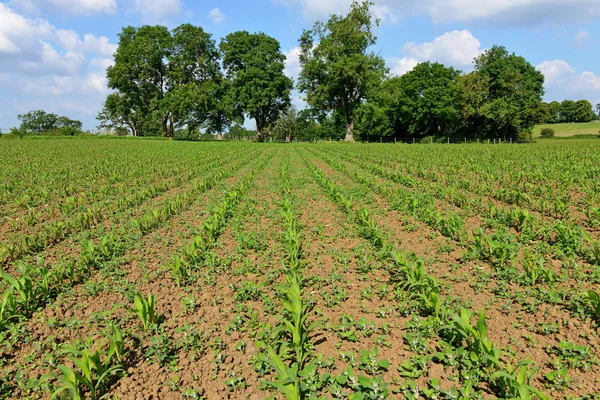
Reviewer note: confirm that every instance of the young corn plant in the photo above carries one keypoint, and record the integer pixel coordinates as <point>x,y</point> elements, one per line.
<point>369,228</point>
<point>145,309</point>
<point>535,270</point>
<point>593,299</point>
<point>92,371</point>
<point>475,339</point>
<point>298,332</point>
<point>515,383</point>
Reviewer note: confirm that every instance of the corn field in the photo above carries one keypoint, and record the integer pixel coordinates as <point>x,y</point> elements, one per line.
<point>145,269</point>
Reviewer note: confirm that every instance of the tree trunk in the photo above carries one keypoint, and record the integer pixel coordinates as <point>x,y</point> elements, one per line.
<point>287,138</point>
<point>259,134</point>
<point>349,132</point>
<point>164,127</point>
<point>219,136</point>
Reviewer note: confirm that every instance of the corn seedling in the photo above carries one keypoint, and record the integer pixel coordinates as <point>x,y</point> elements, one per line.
<point>92,371</point>
<point>144,308</point>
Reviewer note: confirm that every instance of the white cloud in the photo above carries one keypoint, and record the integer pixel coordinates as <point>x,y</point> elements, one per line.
<point>498,12</point>
<point>216,15</point>
<point>581,38</point>
<point>292,63</point>
<point>86,7</point>
<point>563,82</point>
<point>44,67</point>
<point>157,9</point>
<point>82,7</point>
<point>384,14</point>
<point>35,47</point>
<point>401,66</point>
<point>555,70</point>
<point>456,48</point>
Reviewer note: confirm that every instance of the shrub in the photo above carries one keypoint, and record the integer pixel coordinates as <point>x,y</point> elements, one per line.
<point>547,133</point>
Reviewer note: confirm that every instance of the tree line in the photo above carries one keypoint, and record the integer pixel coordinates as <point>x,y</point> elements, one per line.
<point>178,82</point>
<point>568,111</point>
<point>42,122</point>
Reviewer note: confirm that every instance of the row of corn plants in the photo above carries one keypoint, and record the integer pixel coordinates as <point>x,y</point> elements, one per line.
<point>185,265</point>
<point>36,284</point>
<point>57,231</point>
<point>422,295</point>
<point>501,249</point>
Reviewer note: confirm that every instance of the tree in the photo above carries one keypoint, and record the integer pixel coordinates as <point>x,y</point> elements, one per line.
<point>193,66</point>
<point>583,111</point>
<point>554,110</point>
<point>545,117</point>
<point>40,121</point>
<point>221,108</point>
<point>140,77</point>
<point>337,66</point>
<point>507,102</point>
<point>567,111</point>
<point>427,100</point>
<point>285,126</point>
<point>119,111</point>
<point>598,110</point>
<point>254,64</point>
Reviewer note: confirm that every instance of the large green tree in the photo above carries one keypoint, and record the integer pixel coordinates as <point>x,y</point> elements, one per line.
<point>193,67</point>
<point>502,96</point>
<point>427,100</point>
<point>286,125</point>
<point>139,75</point>
<point>254,64</point>
<point>583,111</point>
<point>567,111</point>
<point>338,65</point>
<point>554,110</point>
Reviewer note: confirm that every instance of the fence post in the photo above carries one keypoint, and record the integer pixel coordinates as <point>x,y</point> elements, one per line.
<point>448,139</point>
<point>465,140</point>
<point>413,140</point>
<point>394,140</point>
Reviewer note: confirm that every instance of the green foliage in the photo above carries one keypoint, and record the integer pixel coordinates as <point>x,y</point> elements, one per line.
<point>40,122</point>
<point>501,98</point>
<point>145,309</point>
<point>593,299</point>
<point>547,133</point>
<point>254,64</point>
<point>92,371</point>
<point>338,69</point>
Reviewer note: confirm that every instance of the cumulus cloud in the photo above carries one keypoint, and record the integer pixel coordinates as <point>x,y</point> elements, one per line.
<point>45,67</point>
<point>456,49</point>
<point>82,7</point>
<point>503,12</point>
<point>35,47</point>
<point>400,66</point>
<point>563,82</point>
<point>216,15</point>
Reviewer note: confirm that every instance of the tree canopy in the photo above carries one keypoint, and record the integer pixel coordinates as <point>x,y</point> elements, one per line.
<point>338,65</point>
<point>254,64</point>
<point>181,81</point>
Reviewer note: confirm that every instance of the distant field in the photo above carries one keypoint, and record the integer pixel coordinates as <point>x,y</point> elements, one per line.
<point>588,128</point>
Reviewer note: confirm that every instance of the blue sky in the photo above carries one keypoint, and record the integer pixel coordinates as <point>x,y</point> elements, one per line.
<point>53,53</point>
